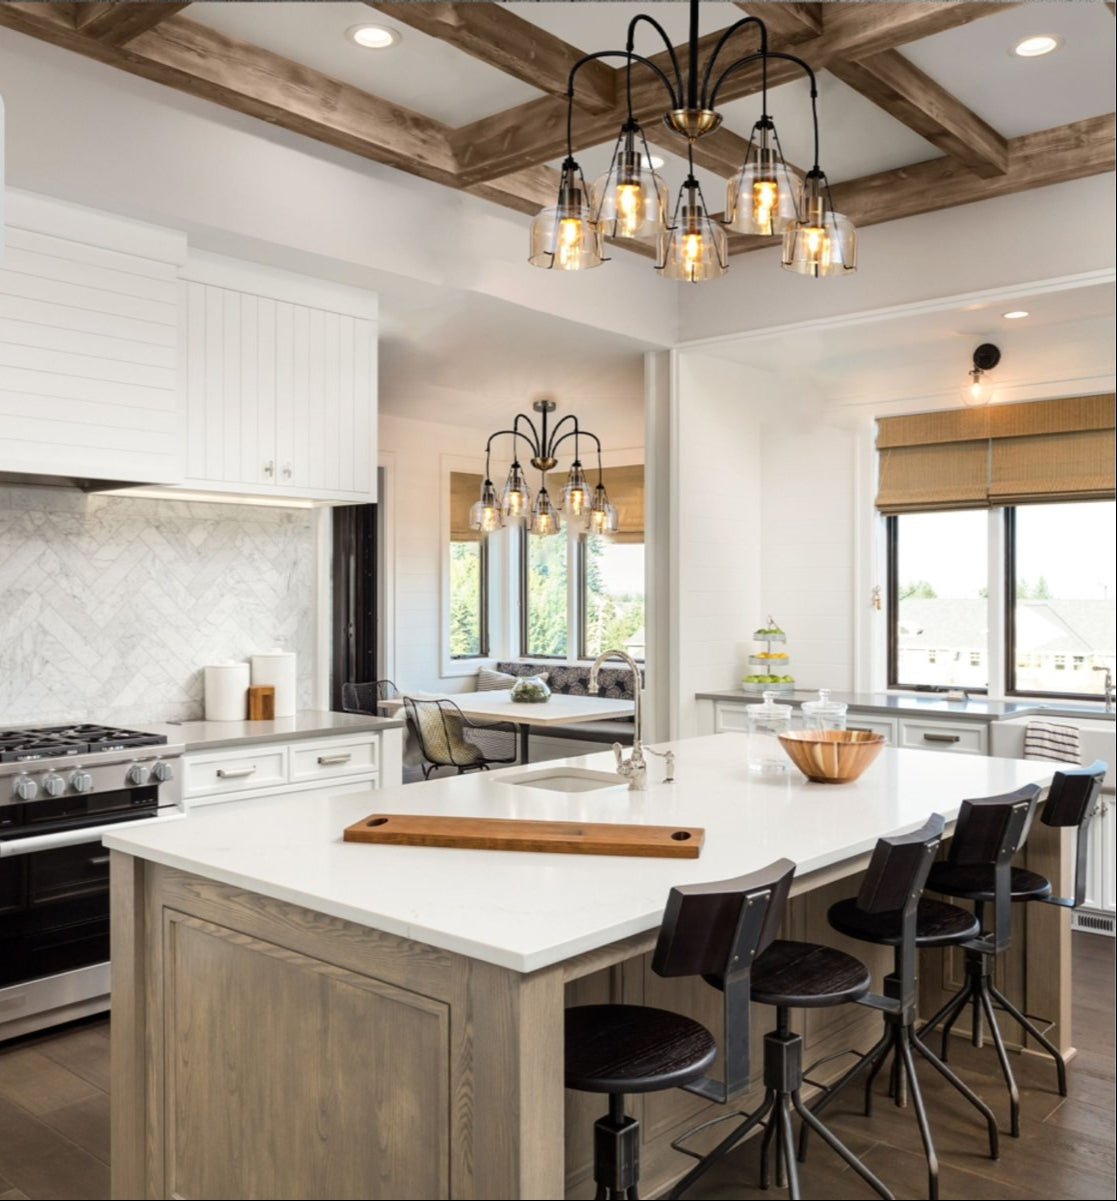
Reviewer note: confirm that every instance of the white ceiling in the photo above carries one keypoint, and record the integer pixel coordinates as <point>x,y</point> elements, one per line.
<point>1020,95</point>
<point>419,72</point>
<point>1068,336</point>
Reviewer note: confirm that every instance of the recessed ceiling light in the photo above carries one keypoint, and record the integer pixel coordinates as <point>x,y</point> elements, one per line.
<point>1035,47</point>
<point>373,37</point>
<point>1015,315</point>
<point>654,161</point>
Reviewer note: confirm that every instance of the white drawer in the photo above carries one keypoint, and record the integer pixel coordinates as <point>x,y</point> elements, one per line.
<point>878,725</point>
<point>960,737</point>
<point>334,758</point>
<point>235,771</point>
<point>730,718</point>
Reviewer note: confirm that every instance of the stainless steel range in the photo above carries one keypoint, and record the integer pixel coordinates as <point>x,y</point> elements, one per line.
<point>61,787</point>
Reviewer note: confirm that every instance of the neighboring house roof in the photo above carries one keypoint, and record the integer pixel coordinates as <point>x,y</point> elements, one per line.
<point>1043,627</point>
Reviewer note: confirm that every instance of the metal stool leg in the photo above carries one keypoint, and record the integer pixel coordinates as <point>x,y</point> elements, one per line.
<point>726,1145</point>
<point>1006,1068</point>
<point>921,1117</point>
<point>1044,1042</point>
<point>833,1090</point>
<point>835,1144</point>
<point>786,1146</point>
<point>966,1091</point>
<point>877,1067</point>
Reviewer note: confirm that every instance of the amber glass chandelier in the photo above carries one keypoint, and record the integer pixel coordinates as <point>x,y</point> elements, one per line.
<point>577,505</point>
<point>766,197</point>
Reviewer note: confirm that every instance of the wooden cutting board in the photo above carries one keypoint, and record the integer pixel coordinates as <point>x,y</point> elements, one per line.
<point>504,834</point>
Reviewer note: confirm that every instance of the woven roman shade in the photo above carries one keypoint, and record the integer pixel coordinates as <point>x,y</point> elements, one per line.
<point>464,491</point>
<point>625,486</point>
<point>1047,450</point>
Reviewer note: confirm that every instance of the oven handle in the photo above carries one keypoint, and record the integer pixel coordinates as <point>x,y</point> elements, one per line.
<point>74,838</point>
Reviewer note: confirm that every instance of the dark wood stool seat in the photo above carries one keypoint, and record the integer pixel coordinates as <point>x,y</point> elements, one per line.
<point>977,882</point>
<point>634,1049</point>
<point>937,924</point>
<point>807,975</point>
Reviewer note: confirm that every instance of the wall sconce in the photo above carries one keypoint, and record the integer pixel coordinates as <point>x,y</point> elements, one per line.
<point>977,393</point>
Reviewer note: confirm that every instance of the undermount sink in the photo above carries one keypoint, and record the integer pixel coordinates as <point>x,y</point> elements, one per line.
<point>568,779</point>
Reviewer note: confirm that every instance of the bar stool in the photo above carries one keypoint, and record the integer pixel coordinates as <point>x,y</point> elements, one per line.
<point>968,873</point>
<point>786,975</point>
<point>890,911</point>
<point>712,930</point>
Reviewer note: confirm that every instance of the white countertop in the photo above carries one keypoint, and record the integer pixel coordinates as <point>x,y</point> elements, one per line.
<point>561,709</point>
<point>307,723</point>
<point>525,911</point>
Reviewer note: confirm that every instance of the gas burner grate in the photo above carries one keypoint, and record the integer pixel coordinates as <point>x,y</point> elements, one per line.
<point>56,742</point>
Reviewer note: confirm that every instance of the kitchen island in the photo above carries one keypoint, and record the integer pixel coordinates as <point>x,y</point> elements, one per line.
<point>298,1016</point>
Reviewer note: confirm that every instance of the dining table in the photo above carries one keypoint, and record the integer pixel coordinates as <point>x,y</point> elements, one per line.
<point>559,709</point>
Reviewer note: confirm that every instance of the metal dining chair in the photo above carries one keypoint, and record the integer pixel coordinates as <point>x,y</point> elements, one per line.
<point>450,739</point>
<point>366,698</point>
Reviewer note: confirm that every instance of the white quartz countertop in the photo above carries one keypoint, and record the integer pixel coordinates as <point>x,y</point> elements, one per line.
<point>526,911</point>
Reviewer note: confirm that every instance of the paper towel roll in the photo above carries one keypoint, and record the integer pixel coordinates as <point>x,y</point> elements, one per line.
<point>226,691</point>
<point>277,668</point>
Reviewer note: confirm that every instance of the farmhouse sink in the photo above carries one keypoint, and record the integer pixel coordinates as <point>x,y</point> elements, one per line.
<point>568,779</point>
<point>1096,734</point>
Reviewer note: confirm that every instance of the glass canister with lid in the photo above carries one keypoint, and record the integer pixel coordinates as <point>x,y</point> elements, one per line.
<point>767,721</point>
<point>824,714</point>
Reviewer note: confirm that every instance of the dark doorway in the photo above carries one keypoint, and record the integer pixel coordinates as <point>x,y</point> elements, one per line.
<point>354,598</point>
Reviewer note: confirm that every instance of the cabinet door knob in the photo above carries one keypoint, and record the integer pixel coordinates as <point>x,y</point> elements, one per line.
<point>286,471</point>
<point>269,467</point>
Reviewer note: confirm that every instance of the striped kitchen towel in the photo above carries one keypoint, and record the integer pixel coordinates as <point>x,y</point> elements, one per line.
<point>1052,740</point>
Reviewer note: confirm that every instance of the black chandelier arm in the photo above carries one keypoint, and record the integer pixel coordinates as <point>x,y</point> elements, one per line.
<point>554,440</point>
<point>575,433</point>
<point>512,433</point>
<point>631,43</point>
<point>630,56</point>
<point>741,24</point>
<point>765,55</point>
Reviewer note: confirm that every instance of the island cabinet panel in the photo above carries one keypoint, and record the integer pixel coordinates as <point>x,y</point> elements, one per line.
<point>272,1050</point>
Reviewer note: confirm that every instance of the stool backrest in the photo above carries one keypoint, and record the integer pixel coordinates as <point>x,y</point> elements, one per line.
<point>894,881</point>
<point>989,831</point>
<point>715,931</point>
<point>1071,800</point>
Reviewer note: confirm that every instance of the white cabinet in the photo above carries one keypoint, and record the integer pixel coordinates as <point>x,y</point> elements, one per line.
<point>279,378</point>
<point>340,763</point>
<point>1101,867</point>
<point>88,345</point>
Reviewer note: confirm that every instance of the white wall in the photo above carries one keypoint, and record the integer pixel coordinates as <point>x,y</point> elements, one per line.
<point>717,409</point>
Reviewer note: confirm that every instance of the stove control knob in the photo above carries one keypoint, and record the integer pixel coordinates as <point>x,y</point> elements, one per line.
<point>163,772</point>
<point>25,789</point>
<point>53,784</point>
<point>137,774</point>
<point>81,781</point>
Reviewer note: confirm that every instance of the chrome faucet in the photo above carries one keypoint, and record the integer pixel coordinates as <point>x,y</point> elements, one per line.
<point>1108,687</point>
<point>635,767</point>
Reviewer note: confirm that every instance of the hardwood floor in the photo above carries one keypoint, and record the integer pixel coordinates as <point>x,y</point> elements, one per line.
<point>54,1120</point>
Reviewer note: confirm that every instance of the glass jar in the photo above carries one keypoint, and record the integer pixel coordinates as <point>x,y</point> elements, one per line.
<point>531,690</point>
<point>767,721</point>
<point>824,714</point>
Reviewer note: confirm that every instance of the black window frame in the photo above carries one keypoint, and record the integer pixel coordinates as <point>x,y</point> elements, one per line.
<point>483,611</point>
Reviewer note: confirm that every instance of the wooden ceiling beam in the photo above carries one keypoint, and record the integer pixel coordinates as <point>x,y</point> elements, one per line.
<point>117,23</point>
<point>1035,160</point>
<point>202,62</point>
<point>787,19</point>
<point>502,39</point>
<point>535,132</point>
<point>905,92</point>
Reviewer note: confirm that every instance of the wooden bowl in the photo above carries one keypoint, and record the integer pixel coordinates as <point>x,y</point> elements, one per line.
<point>832,756</point>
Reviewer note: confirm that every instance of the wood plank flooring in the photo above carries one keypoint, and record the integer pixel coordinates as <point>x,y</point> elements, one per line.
<point>54,1120</point>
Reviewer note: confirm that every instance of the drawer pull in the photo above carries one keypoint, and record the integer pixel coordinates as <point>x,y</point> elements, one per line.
<point>862,729</point>
<point>235,773</point>
<point>98,860</point>
<point>942,737</point>
<point>330,760</point>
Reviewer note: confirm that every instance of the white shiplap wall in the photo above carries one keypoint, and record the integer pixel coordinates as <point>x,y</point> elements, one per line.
<point>88,327</point>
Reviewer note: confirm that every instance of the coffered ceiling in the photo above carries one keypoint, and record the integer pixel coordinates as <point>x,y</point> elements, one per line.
<point>922,105</point>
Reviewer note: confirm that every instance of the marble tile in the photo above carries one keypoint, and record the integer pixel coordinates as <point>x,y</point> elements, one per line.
<point>110,606</point>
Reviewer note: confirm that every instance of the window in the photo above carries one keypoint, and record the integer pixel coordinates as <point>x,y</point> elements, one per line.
<point>1059,617</point>
<point>468,574</point>
<point>612,597</point>
<point>545,625</point>
<point>938,589</point>
<point>1062,621</point>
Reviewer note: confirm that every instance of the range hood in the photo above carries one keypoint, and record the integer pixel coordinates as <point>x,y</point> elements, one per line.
<point>25,479</point>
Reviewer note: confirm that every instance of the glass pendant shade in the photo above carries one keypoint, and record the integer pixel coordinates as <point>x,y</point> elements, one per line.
<point>695,247</point>
<point>564,236</point>
<point>975,392</point>
<point>575,492</point>
<point>545,518</point>
<point>822,242</point>
<point>485,514</point>
<point>761,199</point>
<point>630,199</point>
<point>602,515</point>
<point>515,503</point>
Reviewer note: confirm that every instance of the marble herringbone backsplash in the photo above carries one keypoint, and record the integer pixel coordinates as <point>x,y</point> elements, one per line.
<point>110,605</point>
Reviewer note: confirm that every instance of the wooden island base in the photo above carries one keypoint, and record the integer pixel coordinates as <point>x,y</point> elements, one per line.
<point>260,1049</point>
